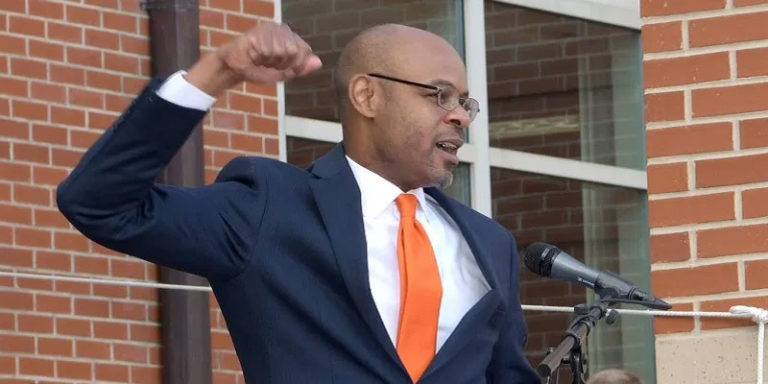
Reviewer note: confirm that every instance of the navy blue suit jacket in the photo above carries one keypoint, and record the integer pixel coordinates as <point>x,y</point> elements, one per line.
<point>284,250</point>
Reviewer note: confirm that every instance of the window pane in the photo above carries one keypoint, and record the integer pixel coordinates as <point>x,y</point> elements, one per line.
<point>564,87</point>
<point>604,226</point>
<point>328,25</point>
<point>303,152</point>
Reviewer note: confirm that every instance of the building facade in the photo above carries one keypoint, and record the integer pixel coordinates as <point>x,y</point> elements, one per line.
<point>629,133</point>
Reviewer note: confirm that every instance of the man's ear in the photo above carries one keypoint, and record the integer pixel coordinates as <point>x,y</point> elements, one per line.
<point>363,95</point>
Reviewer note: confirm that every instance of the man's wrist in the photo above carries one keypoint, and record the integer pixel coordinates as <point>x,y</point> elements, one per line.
<point>211,75</point>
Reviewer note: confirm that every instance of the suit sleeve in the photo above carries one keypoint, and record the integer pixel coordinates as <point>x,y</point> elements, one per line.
<point>509,364</point>
<point>112,198</point>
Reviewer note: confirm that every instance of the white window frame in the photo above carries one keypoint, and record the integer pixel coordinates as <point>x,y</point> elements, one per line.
<point>477,153</point>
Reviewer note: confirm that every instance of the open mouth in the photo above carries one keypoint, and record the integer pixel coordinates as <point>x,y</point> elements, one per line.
<point>448,147</point>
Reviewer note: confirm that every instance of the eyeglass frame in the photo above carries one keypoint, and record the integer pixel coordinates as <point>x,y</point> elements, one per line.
<point>461,101</point>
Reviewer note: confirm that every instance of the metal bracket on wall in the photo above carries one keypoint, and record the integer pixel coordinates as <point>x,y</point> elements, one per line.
<point>178,5</point>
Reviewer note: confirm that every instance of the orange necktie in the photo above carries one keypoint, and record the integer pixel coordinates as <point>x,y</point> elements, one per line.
<point>420,291</point>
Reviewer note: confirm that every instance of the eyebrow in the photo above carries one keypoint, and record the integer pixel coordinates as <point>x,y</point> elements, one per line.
<point>446,83</point>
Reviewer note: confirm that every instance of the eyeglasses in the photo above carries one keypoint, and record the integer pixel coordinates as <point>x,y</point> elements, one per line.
<point>447,98</point>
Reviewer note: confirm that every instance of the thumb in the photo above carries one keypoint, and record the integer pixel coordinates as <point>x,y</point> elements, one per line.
<point>311,64</point>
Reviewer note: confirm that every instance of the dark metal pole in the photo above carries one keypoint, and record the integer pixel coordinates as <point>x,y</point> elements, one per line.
<point>186,329</point>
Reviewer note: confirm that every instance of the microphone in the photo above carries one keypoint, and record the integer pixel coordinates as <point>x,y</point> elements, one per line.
<point>549,261</point>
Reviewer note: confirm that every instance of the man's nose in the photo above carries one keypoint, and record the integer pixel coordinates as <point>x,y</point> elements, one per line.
<point>458,117</point>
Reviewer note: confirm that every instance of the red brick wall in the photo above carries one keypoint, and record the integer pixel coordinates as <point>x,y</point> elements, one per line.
<point>67,69</point>
<point>705,66</point>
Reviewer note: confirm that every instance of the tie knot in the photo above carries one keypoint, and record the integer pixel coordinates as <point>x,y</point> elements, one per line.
<point>406,203</point>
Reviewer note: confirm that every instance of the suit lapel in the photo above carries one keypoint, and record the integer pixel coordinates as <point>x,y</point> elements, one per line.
<point>338,199</point>
<point>482,312</point>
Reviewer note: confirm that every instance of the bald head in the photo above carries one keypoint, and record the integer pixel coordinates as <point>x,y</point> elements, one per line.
<point>388,49</point>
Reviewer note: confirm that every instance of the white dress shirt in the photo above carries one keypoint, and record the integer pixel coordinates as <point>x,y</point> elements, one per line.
<point>463,282</point>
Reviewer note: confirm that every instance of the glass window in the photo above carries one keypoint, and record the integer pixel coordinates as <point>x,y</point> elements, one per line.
<point>564,87</point>
<point>603,226</point>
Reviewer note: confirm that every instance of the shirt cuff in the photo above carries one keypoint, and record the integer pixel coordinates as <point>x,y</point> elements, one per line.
<point>176,89</point>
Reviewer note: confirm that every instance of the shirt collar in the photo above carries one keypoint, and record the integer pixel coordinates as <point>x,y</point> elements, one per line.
<point>376,192</point>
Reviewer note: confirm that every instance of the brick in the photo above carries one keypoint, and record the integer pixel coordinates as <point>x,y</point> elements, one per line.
<point>129,352</point>
<point>724,306</point>
<point>261,89</point>
<point>148,333</point>
<point>104,81</point>
<point>29,110</point>
<point>32,153</point>
<point>12,44</point>
<point>731,171</point>
<point>691,210</point>
<point>7,365</point>
<point>83,139</point>
<point>259,8</point>
<point>82,15</point>
<point>262,125</point>
<point>247,143</point>
<point>91,265</point>
<point>35,323</point>
<point>686,70</point>
<point>754,133</point>
<point>211,18</point>
<point>666,106</point>
<point>17,258</point>
<point>700,138</point>
<point>717,278</point>
<point>13,87</point>
<point>732,240</point>
<point>136,45</point>
<point>102,39</point>
<point>65,32</point>
<point>228,120</point>
<point>35,367</point>
<point>16,300</point>
<point>54,346</point>
<point>54,304</point>
<point>755,273</point>
<point>121,63</point>
<point>67,116</point>
<point>16,343</point>
<point>74,370</point>
<point>67,74</point>
<point>49,92</point>
<point>85,56</point>
<point>751,62</point>
<point>46,50</point>
<point>11,213</point>
<point>727,100</point>
<point>117,103</point>
<point>110,330</point>
<point>663,325</point>
<point>33,237</point>
<point>112,372</point>
<point>754,203</point>
<point>142,374</point>
<point>73,327</point>
<point>727,29</point>
<point>31,194</point>
<point>120,22</point>
<point>53,260</point>
<point>29,68</point>
<point>42,175</point>
<point>13,6</point>
<point>100,121</point>
<point>91,307</point>
<point>664,178</point>
<point>65,157</point>
<point>245,103</point>
<point>14,172</point>
<point>662,37</point>
<point>128,268</point>
<point>108,290</point>
<point>75,288</point>
<point>743,3</point>
<point>26,26</point>
<point>270,108</point>
<point>46,8</point>
<point>665,7</point>
<point>129,311</point>
<point>92,349</point>
<point>231,5</point>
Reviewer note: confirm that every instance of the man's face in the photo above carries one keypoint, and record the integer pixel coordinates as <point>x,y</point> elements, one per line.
<point>416,137</point>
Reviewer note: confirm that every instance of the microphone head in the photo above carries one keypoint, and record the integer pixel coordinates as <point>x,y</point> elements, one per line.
<point>539,258</point>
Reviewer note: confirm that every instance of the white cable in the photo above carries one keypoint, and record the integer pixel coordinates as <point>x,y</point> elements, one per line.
<point>759,316</point>
<point>129,283</point>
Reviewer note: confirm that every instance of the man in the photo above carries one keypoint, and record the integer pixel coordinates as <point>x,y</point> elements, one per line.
<point>357,270</point>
